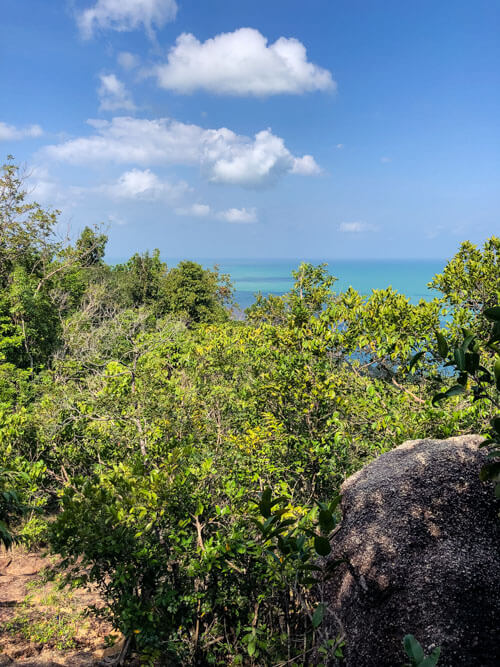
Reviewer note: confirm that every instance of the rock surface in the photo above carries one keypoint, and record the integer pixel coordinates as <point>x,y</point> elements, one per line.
<point>421,534</point>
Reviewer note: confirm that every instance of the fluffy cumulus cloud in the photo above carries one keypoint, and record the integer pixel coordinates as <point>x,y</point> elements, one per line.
<point>126,15</point>
<point>241,63</point>
<point>356,227</point>
<point>143,184</point>
<point>113,94</point>
<point>12,133</point>
<point>223,156</point>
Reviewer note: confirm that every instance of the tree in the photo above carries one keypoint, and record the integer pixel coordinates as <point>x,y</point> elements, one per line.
<point>91,246</point>
<point>470,282</point>
<point>195,293</point>
<point>140,277</point>
<point>26,229</point>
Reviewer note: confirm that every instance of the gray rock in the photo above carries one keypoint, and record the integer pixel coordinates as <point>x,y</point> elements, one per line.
<point>421,534</point>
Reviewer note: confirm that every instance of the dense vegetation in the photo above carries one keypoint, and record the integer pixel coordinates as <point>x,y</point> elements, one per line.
<point>189,463</point>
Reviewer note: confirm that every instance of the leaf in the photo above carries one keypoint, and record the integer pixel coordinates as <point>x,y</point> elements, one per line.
<point>432,659</point>
<point>467,341</point>
<point>265,503</point>
<point>335,502</point>
<point>471,362</point>
<point>495,334</point>
<point>495,424</point>
<point>413,649</point>
<point>326,521</point>
<point>442,344</point>
<point>416,358</point>
<point>490,471</point>
<point>492,314</point>
<point>452,391</point>
<point>317,617</point>
<point>496,370</point>
<point>322,545</point>
<point>459,356</point>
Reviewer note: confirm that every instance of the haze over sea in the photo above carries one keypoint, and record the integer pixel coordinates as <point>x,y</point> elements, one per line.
<point>269,276</point>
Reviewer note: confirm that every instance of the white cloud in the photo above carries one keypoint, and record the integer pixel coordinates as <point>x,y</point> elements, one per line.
<point>234,215</point>
<point>12,133</point>
<point>384,159</point>
<point>356,227</point>
<point>126,15</point>
<point>113,94</point>
<point>223,156</point>
<point>340,146</point>
<point>143,184</point>
<point>195,210</point>
<point>241,63</point>
<point>238,215</point>
<point>305,166</point>
<point>127,60</point>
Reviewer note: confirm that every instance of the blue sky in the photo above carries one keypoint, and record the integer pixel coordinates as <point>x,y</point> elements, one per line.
<point>224,128</point>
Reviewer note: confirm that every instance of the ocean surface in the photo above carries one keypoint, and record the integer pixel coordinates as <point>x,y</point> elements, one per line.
<point>249,276</point>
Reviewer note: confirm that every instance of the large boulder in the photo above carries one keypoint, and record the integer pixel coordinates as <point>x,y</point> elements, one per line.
<point>420,532</point>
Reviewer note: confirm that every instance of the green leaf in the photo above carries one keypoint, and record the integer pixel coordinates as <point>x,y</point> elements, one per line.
<point>459,357</point>
<point>492,314</point>
<point>495,333</point>
<point>453,391</point>
<point>413,649</point>
<point>322,545</point>
<point>416,358</point>
<point>432,659</point>
<point>326,521</point>
<point>265,503</point>
<point>467,341</point>
<point>471,362</point>
<point>251,648</point>
<point>496,370</point>
<point>442,344</point>
<point>490,471</point>
<point>317,617</point>
<point>495,424</point>
<point>335,503</point>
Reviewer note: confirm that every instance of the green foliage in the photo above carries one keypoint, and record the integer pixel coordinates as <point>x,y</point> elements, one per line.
<point>470,283</point>
<point>476,361</point>
<point>11,506</point>
<point>177,575</point>
<point>416,653</point>
<point>195,294</point>
<point>26,230</point>
<point>91,247</point>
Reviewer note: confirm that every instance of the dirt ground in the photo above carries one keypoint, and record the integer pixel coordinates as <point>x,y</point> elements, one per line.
<point>45,626</point>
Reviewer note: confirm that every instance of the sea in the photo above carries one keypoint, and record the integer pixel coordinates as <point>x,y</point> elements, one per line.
<point>249,276</point>
<point>274,276</point>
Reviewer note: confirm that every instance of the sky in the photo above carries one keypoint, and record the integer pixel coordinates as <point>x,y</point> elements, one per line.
<point>258,129</point>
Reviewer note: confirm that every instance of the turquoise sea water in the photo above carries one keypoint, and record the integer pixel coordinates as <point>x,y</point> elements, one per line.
<point>409,277</point>
<point>269,276</point>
